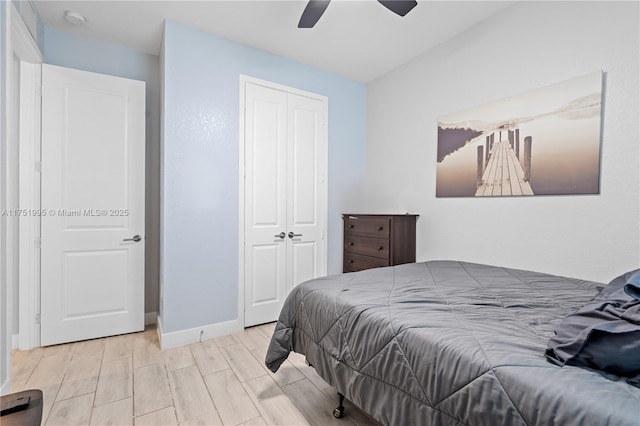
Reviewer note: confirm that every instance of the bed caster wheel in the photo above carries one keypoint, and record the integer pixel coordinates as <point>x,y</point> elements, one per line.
<point>339,412</point>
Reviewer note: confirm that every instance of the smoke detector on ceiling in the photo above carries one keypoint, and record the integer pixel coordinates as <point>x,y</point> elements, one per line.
<point>74,18</point>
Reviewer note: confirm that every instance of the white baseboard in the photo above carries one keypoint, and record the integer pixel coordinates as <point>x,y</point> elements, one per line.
<point>197,334</point>
<point>150,318</point>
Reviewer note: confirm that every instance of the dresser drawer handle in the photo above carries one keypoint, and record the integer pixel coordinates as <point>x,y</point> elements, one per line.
<point>379,247</point>
<point>379,228</point>
<point>351,243</point>
<point>351,226</point>
<point>350,260</point>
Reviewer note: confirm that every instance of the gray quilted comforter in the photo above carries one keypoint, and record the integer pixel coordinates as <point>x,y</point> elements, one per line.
<point>449,343</point>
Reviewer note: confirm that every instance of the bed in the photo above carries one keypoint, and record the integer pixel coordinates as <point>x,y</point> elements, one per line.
<point>451,343</point>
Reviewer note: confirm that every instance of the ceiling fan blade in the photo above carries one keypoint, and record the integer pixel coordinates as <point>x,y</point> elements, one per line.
<point>399,7</point>
<point>313,12</point>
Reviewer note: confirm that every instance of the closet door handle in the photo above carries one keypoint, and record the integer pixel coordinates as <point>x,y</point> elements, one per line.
<point>136,238</point>
<point>291,235</point>
<point>280,235</point>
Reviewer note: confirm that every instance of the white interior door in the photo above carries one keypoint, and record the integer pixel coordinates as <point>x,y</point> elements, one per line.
<point>284,196</point>
<point>92,255</point>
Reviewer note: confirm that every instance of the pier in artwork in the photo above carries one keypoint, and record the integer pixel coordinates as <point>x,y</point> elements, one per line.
<point>500,172</point>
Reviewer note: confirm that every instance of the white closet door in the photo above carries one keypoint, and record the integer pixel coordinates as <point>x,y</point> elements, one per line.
<point>305,179</point>
<point>93,165</point>
<point>265,203</point>
<point>285,196</point>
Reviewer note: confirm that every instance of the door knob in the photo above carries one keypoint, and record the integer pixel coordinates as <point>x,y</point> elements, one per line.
<point>280,235</point>
<point>136,238</point>
<point>291,235</point>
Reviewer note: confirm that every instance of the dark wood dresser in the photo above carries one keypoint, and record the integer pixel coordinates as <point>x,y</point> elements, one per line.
<point>375,240</point>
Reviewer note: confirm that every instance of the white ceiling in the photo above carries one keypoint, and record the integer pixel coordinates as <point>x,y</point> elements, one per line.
<point>361,39</point>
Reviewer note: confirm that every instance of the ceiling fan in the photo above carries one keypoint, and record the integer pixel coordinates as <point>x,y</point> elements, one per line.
<point>315,9</point>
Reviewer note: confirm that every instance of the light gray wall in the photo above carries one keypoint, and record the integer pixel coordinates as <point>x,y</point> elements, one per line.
<point>72,51</point>
<point>5,303</point>
<point>527,46</point>
<point>20,6</point>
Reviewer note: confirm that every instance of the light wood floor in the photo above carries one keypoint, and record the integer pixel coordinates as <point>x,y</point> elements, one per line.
<point>128,380</point>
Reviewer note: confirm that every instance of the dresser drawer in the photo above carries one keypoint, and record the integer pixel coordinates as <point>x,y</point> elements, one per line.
<point>357,262</point>
<point>367,226</point>
<point>376,240</point>
<point>368,246</point>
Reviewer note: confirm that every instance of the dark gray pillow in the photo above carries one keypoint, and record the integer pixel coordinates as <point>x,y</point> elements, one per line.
<point>604,334</point>
<point>632,287</point>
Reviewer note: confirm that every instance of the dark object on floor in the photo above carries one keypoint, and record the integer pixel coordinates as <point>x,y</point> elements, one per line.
<point>22,408</point>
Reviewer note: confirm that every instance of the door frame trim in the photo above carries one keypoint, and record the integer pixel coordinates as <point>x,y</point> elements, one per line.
<point>29,272</point>
<point>24,47</point>
<point>244,79</point>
